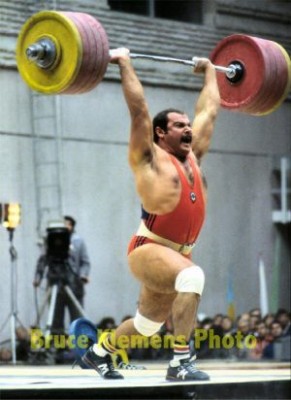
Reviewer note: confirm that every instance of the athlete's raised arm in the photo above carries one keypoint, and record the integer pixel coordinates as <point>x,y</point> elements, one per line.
<point>206,109</point>
<point>141,138</point>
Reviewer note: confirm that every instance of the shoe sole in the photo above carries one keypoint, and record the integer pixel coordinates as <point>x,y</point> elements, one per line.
<point>174,379</point>
<point>89,362</point>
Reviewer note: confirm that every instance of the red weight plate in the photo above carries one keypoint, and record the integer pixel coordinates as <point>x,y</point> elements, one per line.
<point>92,24</point>
<point>264,97</point>
<point>96,53</point>
<point>99,48</point>
<point>95,49</point>
<point>85,57</point>
<point>87,68</point>
<point>285,74</point>
<point>242,94</point>
<point>276,80</point>
<point>104,47</point>
<point>266,77</point>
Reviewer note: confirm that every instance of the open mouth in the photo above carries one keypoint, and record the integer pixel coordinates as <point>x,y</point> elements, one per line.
<point>186,139</point>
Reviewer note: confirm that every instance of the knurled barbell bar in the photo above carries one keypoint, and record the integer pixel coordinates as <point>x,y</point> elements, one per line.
<point>43,53</point>
<point>66,52</point>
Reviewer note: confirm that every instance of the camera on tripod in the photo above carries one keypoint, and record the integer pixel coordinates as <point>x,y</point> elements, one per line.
<point>62,277</point>
<point>57,253</point>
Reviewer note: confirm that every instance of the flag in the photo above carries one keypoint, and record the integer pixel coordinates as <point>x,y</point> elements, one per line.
<point>230,298</point>
<point>263,289</point>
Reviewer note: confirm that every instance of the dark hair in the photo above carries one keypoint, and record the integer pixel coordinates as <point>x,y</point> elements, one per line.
<point>161,120</point>
<point>72,221</point>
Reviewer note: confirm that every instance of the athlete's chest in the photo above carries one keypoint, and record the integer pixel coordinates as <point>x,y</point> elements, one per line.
<point>188,172</point>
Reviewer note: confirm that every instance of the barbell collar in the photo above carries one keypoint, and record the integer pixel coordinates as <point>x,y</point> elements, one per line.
<point>43,53</point>
<point>237,73</point>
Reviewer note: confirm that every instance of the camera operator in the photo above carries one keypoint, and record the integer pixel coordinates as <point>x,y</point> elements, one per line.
<point>71,269</point>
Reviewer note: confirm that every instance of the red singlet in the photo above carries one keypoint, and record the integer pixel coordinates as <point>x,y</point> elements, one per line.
<point>183,224</point>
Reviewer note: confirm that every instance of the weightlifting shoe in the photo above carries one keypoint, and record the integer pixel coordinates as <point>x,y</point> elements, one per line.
<point>185,370</point>
<point>103,365</point>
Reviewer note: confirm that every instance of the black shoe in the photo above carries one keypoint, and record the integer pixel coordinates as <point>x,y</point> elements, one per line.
<point>103,365</point>
<point>186,371</point>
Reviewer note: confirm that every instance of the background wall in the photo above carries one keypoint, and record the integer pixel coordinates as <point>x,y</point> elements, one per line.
<point>96,182</point>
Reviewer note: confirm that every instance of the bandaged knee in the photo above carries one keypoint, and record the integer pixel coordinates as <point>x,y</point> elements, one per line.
<point>190,280</point>
<point>145,326</point>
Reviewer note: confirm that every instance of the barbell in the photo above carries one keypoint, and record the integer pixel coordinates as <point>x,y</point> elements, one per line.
<point>68,53</point>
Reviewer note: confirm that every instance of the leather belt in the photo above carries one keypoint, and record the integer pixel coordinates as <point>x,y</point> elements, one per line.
<point>184,249</point>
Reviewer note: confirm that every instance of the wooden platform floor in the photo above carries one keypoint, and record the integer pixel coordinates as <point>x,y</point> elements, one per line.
<point>228,380</point>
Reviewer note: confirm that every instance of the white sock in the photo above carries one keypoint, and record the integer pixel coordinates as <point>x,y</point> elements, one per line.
<point>175,362</point>
<point>181,352</point>
<point>99,350</point>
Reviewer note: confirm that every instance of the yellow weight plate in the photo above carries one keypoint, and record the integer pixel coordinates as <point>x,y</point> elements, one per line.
<point>63,32</point>
<point>288,82</point>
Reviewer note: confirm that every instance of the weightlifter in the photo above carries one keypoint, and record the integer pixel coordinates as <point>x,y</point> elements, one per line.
<point>165,157</point>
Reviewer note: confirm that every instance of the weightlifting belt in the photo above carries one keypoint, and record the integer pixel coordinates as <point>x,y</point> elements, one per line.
<point>184,249</point>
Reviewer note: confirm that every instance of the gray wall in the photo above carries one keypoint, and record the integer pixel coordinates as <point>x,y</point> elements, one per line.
<point>98,190</point>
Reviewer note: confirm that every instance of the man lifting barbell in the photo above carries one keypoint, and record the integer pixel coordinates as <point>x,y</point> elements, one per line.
<point>168,179</point>
<point>63,52</point>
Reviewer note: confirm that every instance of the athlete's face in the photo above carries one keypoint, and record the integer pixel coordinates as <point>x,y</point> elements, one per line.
<point>178,137</point>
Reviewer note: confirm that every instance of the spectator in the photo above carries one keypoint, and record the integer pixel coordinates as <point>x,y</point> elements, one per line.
<point>5,355</point>
<point>255,312</point>
<point>204,350</point>
<point>106,323</point>
<point>242,330</point>
<point>217,319</point>
<point>283,317</point>
<point>276,334</point>
<point>227,325</point>
<point>263,339</point>
<point>268,319</point>
<point>23,344</point>
<point>255,318</point>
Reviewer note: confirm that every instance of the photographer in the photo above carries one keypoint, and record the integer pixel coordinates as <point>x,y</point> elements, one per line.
<point>67,264</point>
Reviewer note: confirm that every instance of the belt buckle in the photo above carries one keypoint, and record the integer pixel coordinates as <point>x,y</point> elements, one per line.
<point>186,248</point>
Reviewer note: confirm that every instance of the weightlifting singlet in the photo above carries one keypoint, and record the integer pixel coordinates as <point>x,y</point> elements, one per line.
<point>183,224</point>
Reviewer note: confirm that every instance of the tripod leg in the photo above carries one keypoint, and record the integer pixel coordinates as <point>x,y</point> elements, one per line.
<point>13,337</point>
<point>13,303</point>
<point>54,293</point>
<point>74,300</point>
<point>42,307</point>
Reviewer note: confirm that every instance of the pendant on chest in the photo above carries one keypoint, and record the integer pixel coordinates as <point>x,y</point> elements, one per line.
<point>193,197</point>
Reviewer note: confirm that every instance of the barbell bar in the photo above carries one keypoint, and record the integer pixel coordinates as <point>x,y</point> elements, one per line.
<point>43,53</point>
<point>68,53</point>
<point>230,71</point>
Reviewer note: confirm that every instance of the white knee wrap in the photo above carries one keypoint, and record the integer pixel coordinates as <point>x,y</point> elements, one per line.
<point>145,326</point>
<point>190,279</point>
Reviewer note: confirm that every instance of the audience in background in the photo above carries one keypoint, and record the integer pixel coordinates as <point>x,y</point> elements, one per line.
<point>268,319</point>
<point>283,317</point>
<point>263,339</point>
<point>251,336</point>
<point>276,332</point>
<point>227,325</point>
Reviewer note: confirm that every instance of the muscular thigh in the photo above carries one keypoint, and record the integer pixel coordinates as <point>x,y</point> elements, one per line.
<point>157,266</point>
